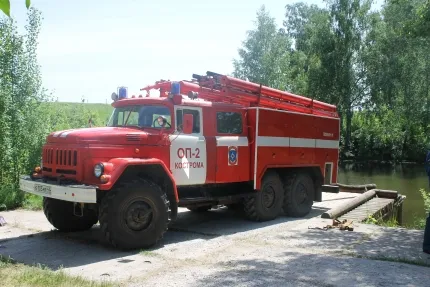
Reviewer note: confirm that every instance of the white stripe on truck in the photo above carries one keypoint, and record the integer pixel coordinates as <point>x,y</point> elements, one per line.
<point>264,141</point>
<point>231,141</point>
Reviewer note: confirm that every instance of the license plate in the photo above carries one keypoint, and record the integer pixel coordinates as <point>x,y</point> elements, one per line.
<point>42,189</point>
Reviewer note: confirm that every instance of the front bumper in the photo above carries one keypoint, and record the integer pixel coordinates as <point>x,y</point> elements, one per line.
<point>73,193</point>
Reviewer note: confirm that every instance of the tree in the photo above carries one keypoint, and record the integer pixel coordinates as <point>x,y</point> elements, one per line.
<point>312,55</point>
<point>419,24</point>
<point>22,122</point>
<point>265,55</point>
<point>331,44</point>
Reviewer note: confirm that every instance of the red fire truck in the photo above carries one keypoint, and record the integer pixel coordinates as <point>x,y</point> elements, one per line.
<point>214,140</point>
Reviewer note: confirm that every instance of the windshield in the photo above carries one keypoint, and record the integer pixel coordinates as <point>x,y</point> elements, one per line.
<point>139,116</point>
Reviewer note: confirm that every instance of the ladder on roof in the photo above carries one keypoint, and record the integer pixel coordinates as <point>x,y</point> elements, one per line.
<point>220,88</point>
<point>257,95</point>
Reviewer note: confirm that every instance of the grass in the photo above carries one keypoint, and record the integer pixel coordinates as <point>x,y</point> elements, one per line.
<point>148,253</point>
<point>32,202</point>
<point>390,222</point>
<point>16,274</point>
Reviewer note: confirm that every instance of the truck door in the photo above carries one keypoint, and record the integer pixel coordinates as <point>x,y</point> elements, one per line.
<point>233,155</point>
<point>188,152</point>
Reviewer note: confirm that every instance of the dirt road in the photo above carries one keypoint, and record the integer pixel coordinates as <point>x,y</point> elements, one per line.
<point>221,248</point>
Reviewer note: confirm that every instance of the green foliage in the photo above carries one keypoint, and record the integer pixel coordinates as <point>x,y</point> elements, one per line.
<point>21,132</point>
<point>362,61</point>
<point>16,274</point>
<point>419,24</point>
<point>390,222</point>
<point>264,57</point>
<point>420,223</point>
<point>63,116</point>
<point>426,197</point>
<point>5,6</point>
<point>27,115</point>
<point>32,202</point>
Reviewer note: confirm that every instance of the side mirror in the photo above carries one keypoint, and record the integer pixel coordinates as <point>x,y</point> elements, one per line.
<point>188,123</point>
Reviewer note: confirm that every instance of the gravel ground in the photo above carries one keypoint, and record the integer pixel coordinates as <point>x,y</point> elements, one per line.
<point>222,248</point>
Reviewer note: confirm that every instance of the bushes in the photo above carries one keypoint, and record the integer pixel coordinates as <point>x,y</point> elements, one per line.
<point>57,116</point>
<point>27,115</point>
<point>386,136</point>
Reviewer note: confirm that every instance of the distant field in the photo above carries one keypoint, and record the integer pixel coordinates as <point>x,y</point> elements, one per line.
<point>65,115</point>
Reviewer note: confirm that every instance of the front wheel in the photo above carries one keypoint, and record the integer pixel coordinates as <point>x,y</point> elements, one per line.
<point>60,214</point>
<point>135,215</point>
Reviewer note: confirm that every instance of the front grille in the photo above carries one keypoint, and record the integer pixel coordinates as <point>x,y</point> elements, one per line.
<point>66,157</point>
<point>60,160</point>
<point>48,155</point>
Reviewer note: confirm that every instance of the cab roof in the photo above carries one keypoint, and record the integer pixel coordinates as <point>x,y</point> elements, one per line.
<point>169,102</point>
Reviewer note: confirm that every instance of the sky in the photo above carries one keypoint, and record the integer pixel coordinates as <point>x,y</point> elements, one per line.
<point>89,48</point>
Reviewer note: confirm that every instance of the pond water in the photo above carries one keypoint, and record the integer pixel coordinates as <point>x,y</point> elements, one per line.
<point>407,179</point>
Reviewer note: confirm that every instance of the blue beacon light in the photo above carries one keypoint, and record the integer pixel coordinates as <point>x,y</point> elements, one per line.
<point>122,93</point>
<point>175,88</point>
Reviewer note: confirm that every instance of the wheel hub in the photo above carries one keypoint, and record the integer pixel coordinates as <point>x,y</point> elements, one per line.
<point>138,216</point>
<point>301,194</point>
<point>268,197</point>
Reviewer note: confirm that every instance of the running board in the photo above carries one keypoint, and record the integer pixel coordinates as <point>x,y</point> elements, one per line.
<point>195,201</point>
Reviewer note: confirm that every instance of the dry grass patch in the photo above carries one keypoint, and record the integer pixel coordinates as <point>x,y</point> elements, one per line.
<point>15,274</point>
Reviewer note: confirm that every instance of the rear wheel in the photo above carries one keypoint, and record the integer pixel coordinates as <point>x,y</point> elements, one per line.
<point>266,204</point>
<point>60,214</point>
<point>135,215</point>
<point>299,195</point>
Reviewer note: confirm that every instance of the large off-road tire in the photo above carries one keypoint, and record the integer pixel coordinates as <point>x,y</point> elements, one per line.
<point>60,214</point>
<point>266,204</point>
<point>134,215</point>
<point>200,208</point>
<point>299,194</point>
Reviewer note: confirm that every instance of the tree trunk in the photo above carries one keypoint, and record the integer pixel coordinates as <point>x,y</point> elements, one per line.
<point>348,128</point>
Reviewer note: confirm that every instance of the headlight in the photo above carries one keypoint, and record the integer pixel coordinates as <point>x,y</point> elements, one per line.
<point>98,169</point>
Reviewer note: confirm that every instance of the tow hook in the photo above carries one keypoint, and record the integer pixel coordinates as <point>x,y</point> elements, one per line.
<point>78,209</point>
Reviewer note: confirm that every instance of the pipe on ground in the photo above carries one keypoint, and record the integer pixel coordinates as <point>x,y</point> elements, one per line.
<point>350,205</point>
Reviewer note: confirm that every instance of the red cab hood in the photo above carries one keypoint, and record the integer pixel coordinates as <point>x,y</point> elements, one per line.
<point>103,135</point>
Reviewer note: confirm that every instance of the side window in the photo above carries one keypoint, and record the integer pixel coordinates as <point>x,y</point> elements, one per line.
<point>196,116</point>
<point>179,120</point>
<point>229,123</point>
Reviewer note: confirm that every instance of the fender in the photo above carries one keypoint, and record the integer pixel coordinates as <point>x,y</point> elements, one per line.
<point>114,169</point>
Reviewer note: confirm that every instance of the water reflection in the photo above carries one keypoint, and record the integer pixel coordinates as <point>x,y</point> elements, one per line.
<point>407,179</point>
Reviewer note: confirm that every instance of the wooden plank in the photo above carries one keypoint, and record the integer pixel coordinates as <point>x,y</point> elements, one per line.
<point>367,209</point>
<point>330,188</point>
<point>386,193</point>
<point>355,188</point>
